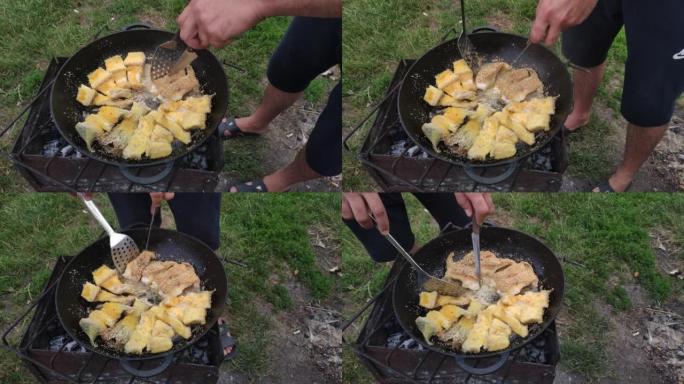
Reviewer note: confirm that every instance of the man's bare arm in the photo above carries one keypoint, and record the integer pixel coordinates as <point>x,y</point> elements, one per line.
<point>312,8</point>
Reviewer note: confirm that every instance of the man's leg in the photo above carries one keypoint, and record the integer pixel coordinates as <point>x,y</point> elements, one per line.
<point>310,46</point>
<point>639,144</point>
<point>584,87</point>
<point>198,215</point>
<point>322,155</point>
<point>273,103</point>
<point>133,209</point>
<point>587,45</point>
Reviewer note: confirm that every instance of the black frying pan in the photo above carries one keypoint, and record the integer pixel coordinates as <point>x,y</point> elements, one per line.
<point>504,243</point>
<point>414,112</point>
<point>66,111</point>
<point>169,245</point>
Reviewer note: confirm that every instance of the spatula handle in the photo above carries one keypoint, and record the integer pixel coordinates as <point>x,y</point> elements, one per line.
<point>97,214</point>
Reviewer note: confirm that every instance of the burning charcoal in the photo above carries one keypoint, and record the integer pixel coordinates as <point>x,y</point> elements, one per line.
<point>413,150</point>
<point>423,155</point>
<point>57,342</point>
<point>66,151</point>
<point>395,339</point>
<point>51,148</point>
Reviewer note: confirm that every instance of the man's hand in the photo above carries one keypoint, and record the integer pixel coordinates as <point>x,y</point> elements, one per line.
<point>480,203</point>
<point>358,206</point>
<point>157,198</point>
<point>216,23</point>
<point>554,16</point>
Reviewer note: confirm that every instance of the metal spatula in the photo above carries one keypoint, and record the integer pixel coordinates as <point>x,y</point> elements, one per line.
<point>122,246</point>
<point>465,46</point>
<point>171,57</point>
<point>425,280</point>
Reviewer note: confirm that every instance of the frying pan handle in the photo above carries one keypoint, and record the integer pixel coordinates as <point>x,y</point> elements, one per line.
<point>144,180</point>
<point>484,29</point>
<point>136,26</point>
<point>128,367</point>
<point>461,361</point>
<point>470,171</point>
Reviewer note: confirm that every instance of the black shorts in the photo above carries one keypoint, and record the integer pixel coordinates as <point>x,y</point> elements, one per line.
<point>654,70</point>
<point>196,214</point>
<point>310,47</point>
<point>442,206</point>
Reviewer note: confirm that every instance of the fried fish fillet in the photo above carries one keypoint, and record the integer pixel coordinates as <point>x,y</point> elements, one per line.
<point>507,276</point>
<point>518,91</point>
<point>498,336</point>
<point>478,334</point>
<point>464,269</point>
<point>529,307</point>
<point>486,76</point>
<point>135,267</point>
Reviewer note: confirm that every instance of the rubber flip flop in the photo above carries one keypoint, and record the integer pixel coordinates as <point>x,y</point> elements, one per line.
<point>251,186</point>
<point>567,132</point>
<point>603,187</point>
<point>229,125</point>
<point>227,341</point>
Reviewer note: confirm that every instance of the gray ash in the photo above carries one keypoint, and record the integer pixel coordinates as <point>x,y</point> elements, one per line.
<point>540,160</point>
<point>67,343</point>
<point>197,353</point>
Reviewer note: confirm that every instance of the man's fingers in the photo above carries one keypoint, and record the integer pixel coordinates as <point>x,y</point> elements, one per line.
<point>188,34</point>
<point>346,209</point>
<point>463,201</point>
<point>538,32</point>
<point>490,203</point>
<point>552,35</point>
<point>378,208</point>
<point>360,211</point>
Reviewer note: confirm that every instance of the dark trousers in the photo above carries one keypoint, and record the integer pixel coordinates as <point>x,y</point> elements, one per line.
<point>196,214</point>
<point>442,206</point>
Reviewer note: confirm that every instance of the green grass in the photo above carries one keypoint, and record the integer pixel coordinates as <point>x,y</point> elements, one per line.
<point>602,239</point>
<point>42,29</point>
<point>270,234</point>
<point>376,35</point>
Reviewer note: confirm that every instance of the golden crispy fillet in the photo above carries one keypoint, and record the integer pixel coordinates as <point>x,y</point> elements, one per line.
<point>484,142</point>
<point>497,336</point>
<point>529,307</point>
<point>121,332</point>
<point>478,334</point>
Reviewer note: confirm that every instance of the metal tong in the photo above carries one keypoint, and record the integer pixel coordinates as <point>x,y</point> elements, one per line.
<point>425,280</point>
<point>475,236</point>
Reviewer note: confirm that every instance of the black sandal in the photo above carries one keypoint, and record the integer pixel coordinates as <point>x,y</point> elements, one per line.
<point>251,186</point>
<point>229,125</point>
<point>603,187</point>
<point>227,341</point>
<point>567,132</point>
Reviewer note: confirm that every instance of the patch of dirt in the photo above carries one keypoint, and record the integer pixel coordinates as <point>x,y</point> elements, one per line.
<point>153,17</point>
<point>500,21</point>
<point>307,342</point>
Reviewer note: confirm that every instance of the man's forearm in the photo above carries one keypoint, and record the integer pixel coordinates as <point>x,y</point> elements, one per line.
<point>312,8</point>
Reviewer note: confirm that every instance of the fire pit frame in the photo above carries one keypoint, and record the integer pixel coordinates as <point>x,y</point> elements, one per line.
<point>430,174</point>
<point>49,366</point>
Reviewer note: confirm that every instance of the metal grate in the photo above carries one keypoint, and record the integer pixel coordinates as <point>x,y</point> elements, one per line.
<point>67,362</point>
<point>64,169</point>
<point>405,169</point>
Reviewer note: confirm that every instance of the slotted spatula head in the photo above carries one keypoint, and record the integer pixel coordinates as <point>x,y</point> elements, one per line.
<point>170,57</point>
<point>123,248</point>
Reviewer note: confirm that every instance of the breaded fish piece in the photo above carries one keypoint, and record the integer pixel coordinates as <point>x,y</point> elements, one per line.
<point>458,333</point>
<point>529,307</point>
<point>462,300</point>
<point>493,269</point>
<point>512,280</point>
<point>478,334</point>
<point>484,142</point>
<point>518,91</point>
<point>486,76</point>
<point>135,267</point>
<point>121,332</point>
<point>465,136</point>
<point>141,335</point>
<point>498,336</point>
<point>501,312</point>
